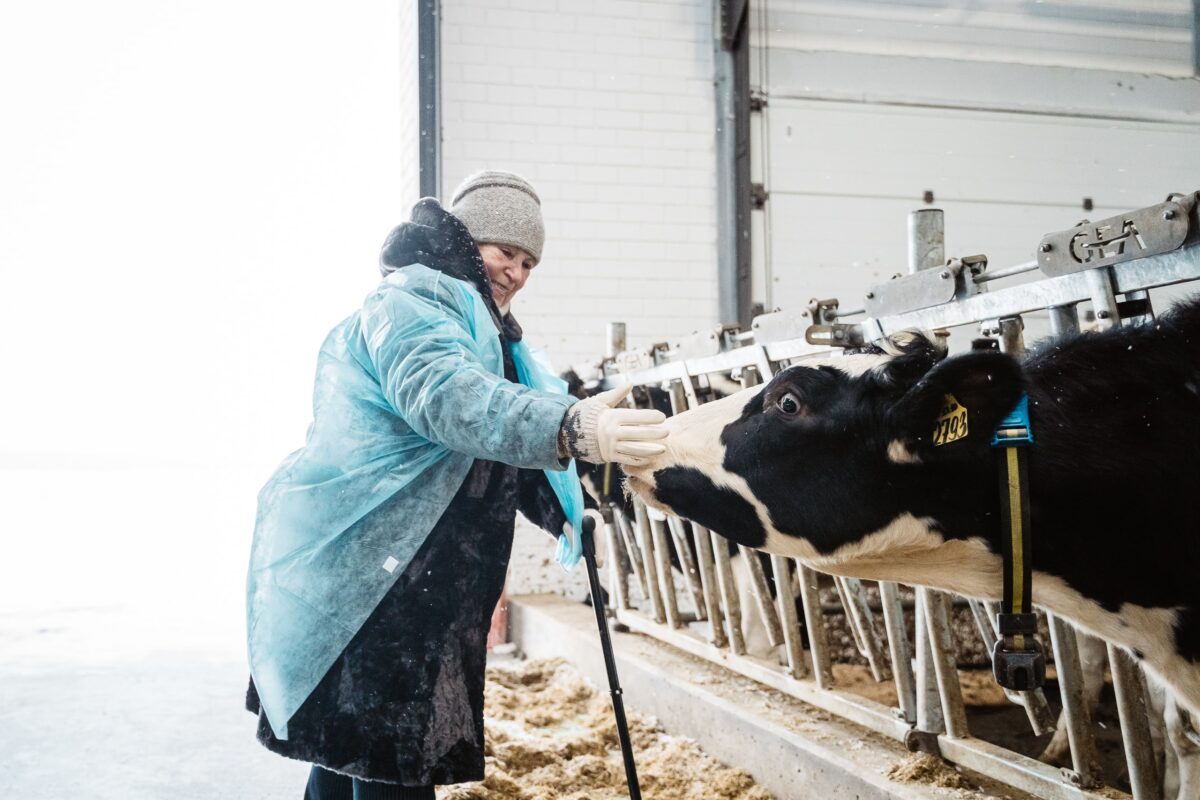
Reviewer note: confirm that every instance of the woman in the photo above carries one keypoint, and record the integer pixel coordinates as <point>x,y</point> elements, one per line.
<point>381,546</point>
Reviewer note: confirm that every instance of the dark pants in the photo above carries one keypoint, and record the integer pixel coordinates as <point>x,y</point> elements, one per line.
<point>326,785</point>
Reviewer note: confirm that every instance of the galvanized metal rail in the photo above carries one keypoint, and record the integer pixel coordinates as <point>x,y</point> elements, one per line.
<point>1110,266</point>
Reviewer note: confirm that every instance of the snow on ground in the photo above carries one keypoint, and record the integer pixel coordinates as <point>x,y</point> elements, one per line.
<point>122,655</point>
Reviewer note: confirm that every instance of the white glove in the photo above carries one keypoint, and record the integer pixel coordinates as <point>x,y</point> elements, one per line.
<point>596,432</point>
<point>570,547</point>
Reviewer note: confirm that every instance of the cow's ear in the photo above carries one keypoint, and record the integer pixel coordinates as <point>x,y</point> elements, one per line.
<point>913,353</point>
<point>953,411</point>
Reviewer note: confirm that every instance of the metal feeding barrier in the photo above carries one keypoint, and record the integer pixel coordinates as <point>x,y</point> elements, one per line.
<point>1109,266</point>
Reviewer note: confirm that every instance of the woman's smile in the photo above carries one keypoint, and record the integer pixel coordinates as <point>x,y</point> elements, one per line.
<point>508,267</point>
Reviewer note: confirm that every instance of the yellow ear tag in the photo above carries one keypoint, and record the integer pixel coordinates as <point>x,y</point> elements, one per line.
<point>951,423</point>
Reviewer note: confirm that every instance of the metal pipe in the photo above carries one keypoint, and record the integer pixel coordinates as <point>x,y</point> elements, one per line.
<point>614,339</point>
<point>1135,725</point>
<point>662,563</point>
<point>1006,272</point>
<point>631,550</point>
<point>429,97</point>
<point>852,622</point>
<point>732,606</point>
<point>862,624</point>
<point>763,364</point>
<point>646,544</point>
<point>733,278</point>
<point>709,581</point>
<point>762,595</point>
<point>1063,320</point>
<point>926,239</point>
<point>937,617</point>
<point>617,577</point>
<point>681,400</point>
<point>1196,38</point>
<point>1012,337</point>
<point>929,704</point>
<point>818,639</point>
<point>1077,713</point>
<point>691,572</point>
<point>901,653</point>
<point>1104,301</point>
<point>707,602</point>
<point>787,614</point>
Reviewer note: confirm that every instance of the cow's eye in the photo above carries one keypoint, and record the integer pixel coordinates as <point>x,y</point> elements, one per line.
<point>789,404</point>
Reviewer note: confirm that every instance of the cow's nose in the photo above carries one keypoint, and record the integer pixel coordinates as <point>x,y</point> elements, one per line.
<point>642,471</point>
<point>639,481</point>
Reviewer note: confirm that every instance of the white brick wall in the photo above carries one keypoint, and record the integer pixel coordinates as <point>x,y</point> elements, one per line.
<point>607,108</point>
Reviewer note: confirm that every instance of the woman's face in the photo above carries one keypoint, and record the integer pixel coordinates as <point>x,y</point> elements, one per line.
<point>508,268</point>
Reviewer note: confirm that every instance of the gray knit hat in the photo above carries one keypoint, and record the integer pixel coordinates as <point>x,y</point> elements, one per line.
<point>502,208</point>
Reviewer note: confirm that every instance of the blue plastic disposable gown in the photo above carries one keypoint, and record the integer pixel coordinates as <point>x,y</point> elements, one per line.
<point>409,391</point>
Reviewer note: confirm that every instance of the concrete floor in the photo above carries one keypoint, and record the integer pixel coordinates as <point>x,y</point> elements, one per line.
<point>122,649</point>
<point>112,722</point>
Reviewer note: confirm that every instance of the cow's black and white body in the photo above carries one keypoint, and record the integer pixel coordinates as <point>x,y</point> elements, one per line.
<point>835,465</point>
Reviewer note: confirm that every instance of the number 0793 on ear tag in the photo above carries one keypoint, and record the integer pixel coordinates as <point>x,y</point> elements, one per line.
<point>951,424</point>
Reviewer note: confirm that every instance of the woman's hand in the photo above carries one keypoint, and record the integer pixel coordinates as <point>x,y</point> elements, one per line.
<point>594,430</point>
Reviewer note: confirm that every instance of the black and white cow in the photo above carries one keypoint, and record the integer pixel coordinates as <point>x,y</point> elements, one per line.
<point>836,465</point>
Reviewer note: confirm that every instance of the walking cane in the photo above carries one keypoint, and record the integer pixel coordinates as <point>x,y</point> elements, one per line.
<point>614,686</point>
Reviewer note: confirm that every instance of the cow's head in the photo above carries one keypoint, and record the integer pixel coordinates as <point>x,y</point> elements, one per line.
<point>823,456</point>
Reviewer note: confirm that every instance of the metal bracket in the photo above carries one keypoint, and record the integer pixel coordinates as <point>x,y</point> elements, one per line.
<point>922,742</point>
<point>780,326</point>
<point>922,289</point>
<point>758,195</point>
<point>1074,778</point>
<point>758,100</point>
<point>1136,234</point>
<point>1006,332</point>
<point>698,344</point>
<point>1134,307</point>
<point>824,312</point>
<point>732,337</point>
<point>973,267</point>
<point>645,358</point>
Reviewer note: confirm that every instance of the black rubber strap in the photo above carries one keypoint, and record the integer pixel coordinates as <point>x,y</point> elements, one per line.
<point>1013,469</point>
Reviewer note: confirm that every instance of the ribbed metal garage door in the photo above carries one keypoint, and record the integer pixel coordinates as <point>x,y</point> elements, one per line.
<point>1010,114</point>
<point>842,178</point>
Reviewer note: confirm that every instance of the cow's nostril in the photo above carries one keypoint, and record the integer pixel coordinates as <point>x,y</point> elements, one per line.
<point>638,485</point>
